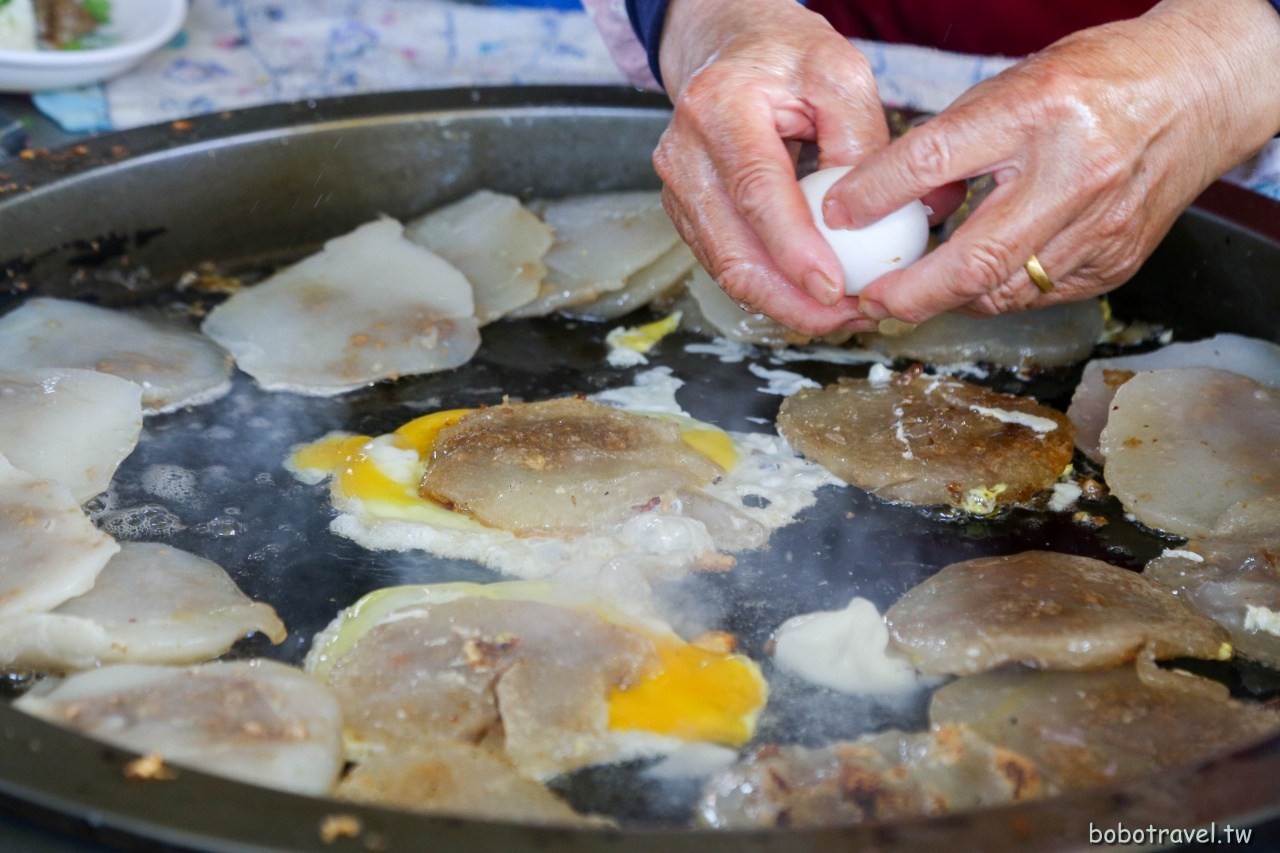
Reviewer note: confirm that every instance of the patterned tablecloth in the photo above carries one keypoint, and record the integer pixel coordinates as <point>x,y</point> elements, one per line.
<point>240,53</point>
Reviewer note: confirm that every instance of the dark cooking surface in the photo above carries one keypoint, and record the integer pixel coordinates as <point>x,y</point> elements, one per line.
<point>271,532</point>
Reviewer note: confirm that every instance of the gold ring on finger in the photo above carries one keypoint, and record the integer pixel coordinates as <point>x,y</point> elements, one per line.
<point>1039,277</point>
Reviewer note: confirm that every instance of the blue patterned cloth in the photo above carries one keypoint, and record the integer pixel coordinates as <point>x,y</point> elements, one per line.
<point>240,53</point>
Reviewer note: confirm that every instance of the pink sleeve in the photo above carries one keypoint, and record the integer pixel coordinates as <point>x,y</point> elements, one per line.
<point>610,17</point>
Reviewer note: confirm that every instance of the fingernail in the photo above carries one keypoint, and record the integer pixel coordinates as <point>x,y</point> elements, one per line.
<point>892,328</point>
<point>874,310</point>
<point>835,214</point>
<point>822,288</point>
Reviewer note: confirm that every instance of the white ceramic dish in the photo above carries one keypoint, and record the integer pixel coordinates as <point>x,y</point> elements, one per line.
<point>137,28</point>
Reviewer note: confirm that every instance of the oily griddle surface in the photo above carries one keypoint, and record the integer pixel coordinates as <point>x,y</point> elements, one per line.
<point>135,191</point>
<point>271,532</point>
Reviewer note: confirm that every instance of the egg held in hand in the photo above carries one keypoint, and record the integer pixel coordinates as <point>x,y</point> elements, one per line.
<point>868,253</point>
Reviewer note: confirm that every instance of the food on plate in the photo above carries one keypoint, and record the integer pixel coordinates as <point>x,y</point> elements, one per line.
<point>867,253</point>
<point>547,676</point>
<point>882,777</point>
<point>493,240</point>
<point>151,603</point>
<point>71,24</point>
<point>459,780</point>
<point>55,24</point>
<point>918,439</point>
<point>625,483</point>
<point>44,413</point>
<point>18,29</point>
<point>846,650</point>
<point>1232,576</point>
<point>175,366</point>
<point>1046,610</point>
<point>1184,446</point>
<point>602,240</point>
<point>1086,728</point>
<point>371,305</point>
<point>49,550</point>
<point>643,287</point>
<point>257,721</point>
<point>1048,337</point>
<point>1090,404</point>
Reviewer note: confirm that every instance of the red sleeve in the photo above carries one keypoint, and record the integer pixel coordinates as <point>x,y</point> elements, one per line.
<point>988,27</point>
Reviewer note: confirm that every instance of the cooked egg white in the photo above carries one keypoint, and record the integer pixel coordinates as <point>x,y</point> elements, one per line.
<point>375,482</point>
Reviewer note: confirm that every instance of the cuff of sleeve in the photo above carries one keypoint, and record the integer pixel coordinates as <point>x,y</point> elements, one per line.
<point>610,17</point>
<point>647,17</point>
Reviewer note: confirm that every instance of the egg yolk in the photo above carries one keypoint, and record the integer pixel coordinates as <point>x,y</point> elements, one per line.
<point>692,694</point>
<point>714,444</point>
<point>356,463</point>
<point>420,433</point>
<point>643,338</point>
<point>353,462</point>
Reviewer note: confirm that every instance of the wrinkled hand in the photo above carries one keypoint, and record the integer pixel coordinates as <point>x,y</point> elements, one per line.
<point>1096,145</point>
<point>749,79</point>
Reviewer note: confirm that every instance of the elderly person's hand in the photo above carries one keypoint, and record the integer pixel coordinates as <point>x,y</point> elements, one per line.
<point>748,79</point>
<point>1096,145</point>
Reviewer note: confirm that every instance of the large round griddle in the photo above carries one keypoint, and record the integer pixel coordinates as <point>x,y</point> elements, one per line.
<point>119,219</point>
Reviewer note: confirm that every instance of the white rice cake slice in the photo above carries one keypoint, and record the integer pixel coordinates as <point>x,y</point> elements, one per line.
<point>495,241</point>
<point>71,426</point>
<point>1233,577</point>
<point>1252,357</point>
<point>175,366</point>
<point>1185,446</point>
<point>602,239</point>
<point>49,550</point>
<point>371,305</point>
<point>708,305</point>
<point>258,721</point>
<point>1098,727</point>
<point>1048,337</point>
<point>891,774</point>
<point>459,780</point>
<point>661,276</point>
<point>151,604</point>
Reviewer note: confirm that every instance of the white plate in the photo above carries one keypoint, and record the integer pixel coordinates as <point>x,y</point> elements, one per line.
<point>137,27</point>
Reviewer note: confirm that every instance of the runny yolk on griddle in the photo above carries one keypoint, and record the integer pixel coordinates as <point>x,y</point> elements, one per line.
<point>360,469</point>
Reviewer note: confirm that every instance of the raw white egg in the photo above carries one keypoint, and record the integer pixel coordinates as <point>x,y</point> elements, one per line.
<point>868,253</point>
